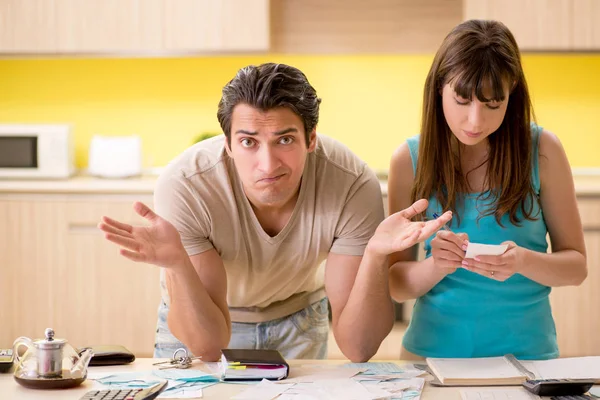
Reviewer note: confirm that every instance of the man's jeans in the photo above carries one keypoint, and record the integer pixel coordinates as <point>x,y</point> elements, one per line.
<point>303,334</point>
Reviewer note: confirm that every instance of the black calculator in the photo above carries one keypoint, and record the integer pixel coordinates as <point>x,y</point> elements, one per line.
<point>126,394</point>
<point>558,387</point>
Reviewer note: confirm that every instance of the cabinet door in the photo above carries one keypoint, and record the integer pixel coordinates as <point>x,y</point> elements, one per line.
<point>217,25</point>
<point>106,298</point>
<point>27,26</point>
<point>109,26</point>
<point>31,256</point>
<point>536,24</point>
<point>575,308</point>
<point>586,24</point>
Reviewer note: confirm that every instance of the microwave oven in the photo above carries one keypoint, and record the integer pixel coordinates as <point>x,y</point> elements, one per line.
<point>36,151</point>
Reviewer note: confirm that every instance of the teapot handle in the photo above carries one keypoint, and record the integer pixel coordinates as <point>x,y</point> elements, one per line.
<point>21,341</point>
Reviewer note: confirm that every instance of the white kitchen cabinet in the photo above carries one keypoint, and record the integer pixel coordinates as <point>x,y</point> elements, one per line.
<point>30,243</point>
<point>147,27</point>
<point>536,24</point>
<point>28,26</point>
<point>586,24</point>
<point>543,25</point>
<point>61,272</point>
<point>575,308</point>
<point>217,25</point>
<point>92,26</point>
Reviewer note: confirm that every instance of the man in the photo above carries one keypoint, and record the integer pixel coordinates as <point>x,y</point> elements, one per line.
<point>244,221</point>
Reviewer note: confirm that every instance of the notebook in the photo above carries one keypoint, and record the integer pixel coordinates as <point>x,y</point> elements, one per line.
<point>252,365</point>
<point>508,370</point>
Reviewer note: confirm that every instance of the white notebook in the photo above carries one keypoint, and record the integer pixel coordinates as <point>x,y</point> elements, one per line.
<point>508,371</point>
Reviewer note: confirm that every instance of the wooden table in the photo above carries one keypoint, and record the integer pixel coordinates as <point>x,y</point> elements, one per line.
<point>10,389</point>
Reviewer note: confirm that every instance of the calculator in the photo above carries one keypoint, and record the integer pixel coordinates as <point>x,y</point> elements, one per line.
<point>558,387</point>
<point>126,394</point>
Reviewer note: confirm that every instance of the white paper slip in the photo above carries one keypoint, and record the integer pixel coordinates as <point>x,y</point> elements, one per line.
<point>188,393</point>
<point>313,374</point>
<point>478,249</point>
<point>497,394</point>
<point>348,389</point>
<point>265,390</point>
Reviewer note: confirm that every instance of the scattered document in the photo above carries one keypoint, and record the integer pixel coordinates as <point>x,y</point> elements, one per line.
<point>141,379</point>
<point>382,371</point>
<point>316,373</point>
<point>265,390</point>
<point>497,394</point>
<point>350,390</point>
<point>376,368</point>
<point>182,383</point>
<point>187,393</point>
<point>405,389</point>
<point>478,249</point>
<point>185,375</point>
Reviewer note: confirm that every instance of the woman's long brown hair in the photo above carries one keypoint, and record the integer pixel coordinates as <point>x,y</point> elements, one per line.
<point>476,56</point>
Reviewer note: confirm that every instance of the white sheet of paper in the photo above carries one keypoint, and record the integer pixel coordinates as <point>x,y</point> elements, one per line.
<point>265,390</point>
<point>349,389</point>
<point>376,368</point>
<point>478,249</point>
<point>497,394</point>
<point>313,374</point>
<point>401,389</point>
<point>188,393</point>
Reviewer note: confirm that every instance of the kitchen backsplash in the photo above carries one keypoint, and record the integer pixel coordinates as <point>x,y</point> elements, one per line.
<point>371,103</point>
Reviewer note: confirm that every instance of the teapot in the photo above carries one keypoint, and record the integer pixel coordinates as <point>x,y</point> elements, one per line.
<point>50,362</point>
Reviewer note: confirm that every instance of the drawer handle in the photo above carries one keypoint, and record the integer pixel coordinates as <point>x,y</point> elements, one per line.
<point>84,228</point>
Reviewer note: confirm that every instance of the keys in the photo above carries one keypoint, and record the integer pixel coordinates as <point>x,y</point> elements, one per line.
<point>182,361</point>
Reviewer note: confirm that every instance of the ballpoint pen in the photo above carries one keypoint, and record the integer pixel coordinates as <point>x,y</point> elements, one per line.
<point>445,227</point>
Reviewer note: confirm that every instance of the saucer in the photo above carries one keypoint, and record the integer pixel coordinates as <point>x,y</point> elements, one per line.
<point>63,382</point>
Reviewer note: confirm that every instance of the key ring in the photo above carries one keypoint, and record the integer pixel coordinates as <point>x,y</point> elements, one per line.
<point>182,362</point>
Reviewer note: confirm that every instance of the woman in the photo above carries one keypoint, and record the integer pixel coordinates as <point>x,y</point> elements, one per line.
<point>507,181</point>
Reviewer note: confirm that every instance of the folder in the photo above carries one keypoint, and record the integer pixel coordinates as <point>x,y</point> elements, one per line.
<point>252,365</point>
<point>508,371</point>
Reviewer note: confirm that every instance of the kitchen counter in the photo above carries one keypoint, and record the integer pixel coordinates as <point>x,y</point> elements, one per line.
<point>80,184</point>
<point>585,185</point>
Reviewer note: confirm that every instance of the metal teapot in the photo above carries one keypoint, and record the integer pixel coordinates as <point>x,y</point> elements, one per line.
<point>50,360</point>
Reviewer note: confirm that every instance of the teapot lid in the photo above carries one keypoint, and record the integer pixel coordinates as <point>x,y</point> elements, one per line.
<point>49,342</point>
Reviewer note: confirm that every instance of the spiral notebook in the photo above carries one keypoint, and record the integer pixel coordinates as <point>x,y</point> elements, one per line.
<point>509,371</point>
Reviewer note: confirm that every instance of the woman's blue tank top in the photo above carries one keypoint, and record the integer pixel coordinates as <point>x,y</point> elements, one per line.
<point>468,315</point>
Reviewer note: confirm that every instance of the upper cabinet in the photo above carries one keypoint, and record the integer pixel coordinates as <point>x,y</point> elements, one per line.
<point>108,25</point>
<point>175,27</point>
<point>586,29</point>
<point>217,25</point>
<point>28,26</point>
<point>358,26</point>
<point>133,26</point>
<point>543,25</point>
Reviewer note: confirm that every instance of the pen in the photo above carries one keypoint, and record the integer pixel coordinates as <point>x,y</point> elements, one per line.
<point>445,227</point>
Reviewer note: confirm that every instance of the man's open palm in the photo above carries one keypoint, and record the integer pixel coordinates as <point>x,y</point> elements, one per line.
<point>158,244</point>
<point>397,232</point>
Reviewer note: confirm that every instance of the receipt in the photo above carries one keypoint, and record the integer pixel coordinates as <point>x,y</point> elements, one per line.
<point>478,249</point>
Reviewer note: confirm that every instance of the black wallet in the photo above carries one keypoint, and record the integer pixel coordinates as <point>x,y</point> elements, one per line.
<point>110,355</point>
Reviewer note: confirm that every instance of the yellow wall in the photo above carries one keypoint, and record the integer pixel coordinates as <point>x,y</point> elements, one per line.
<point>372,103</point>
